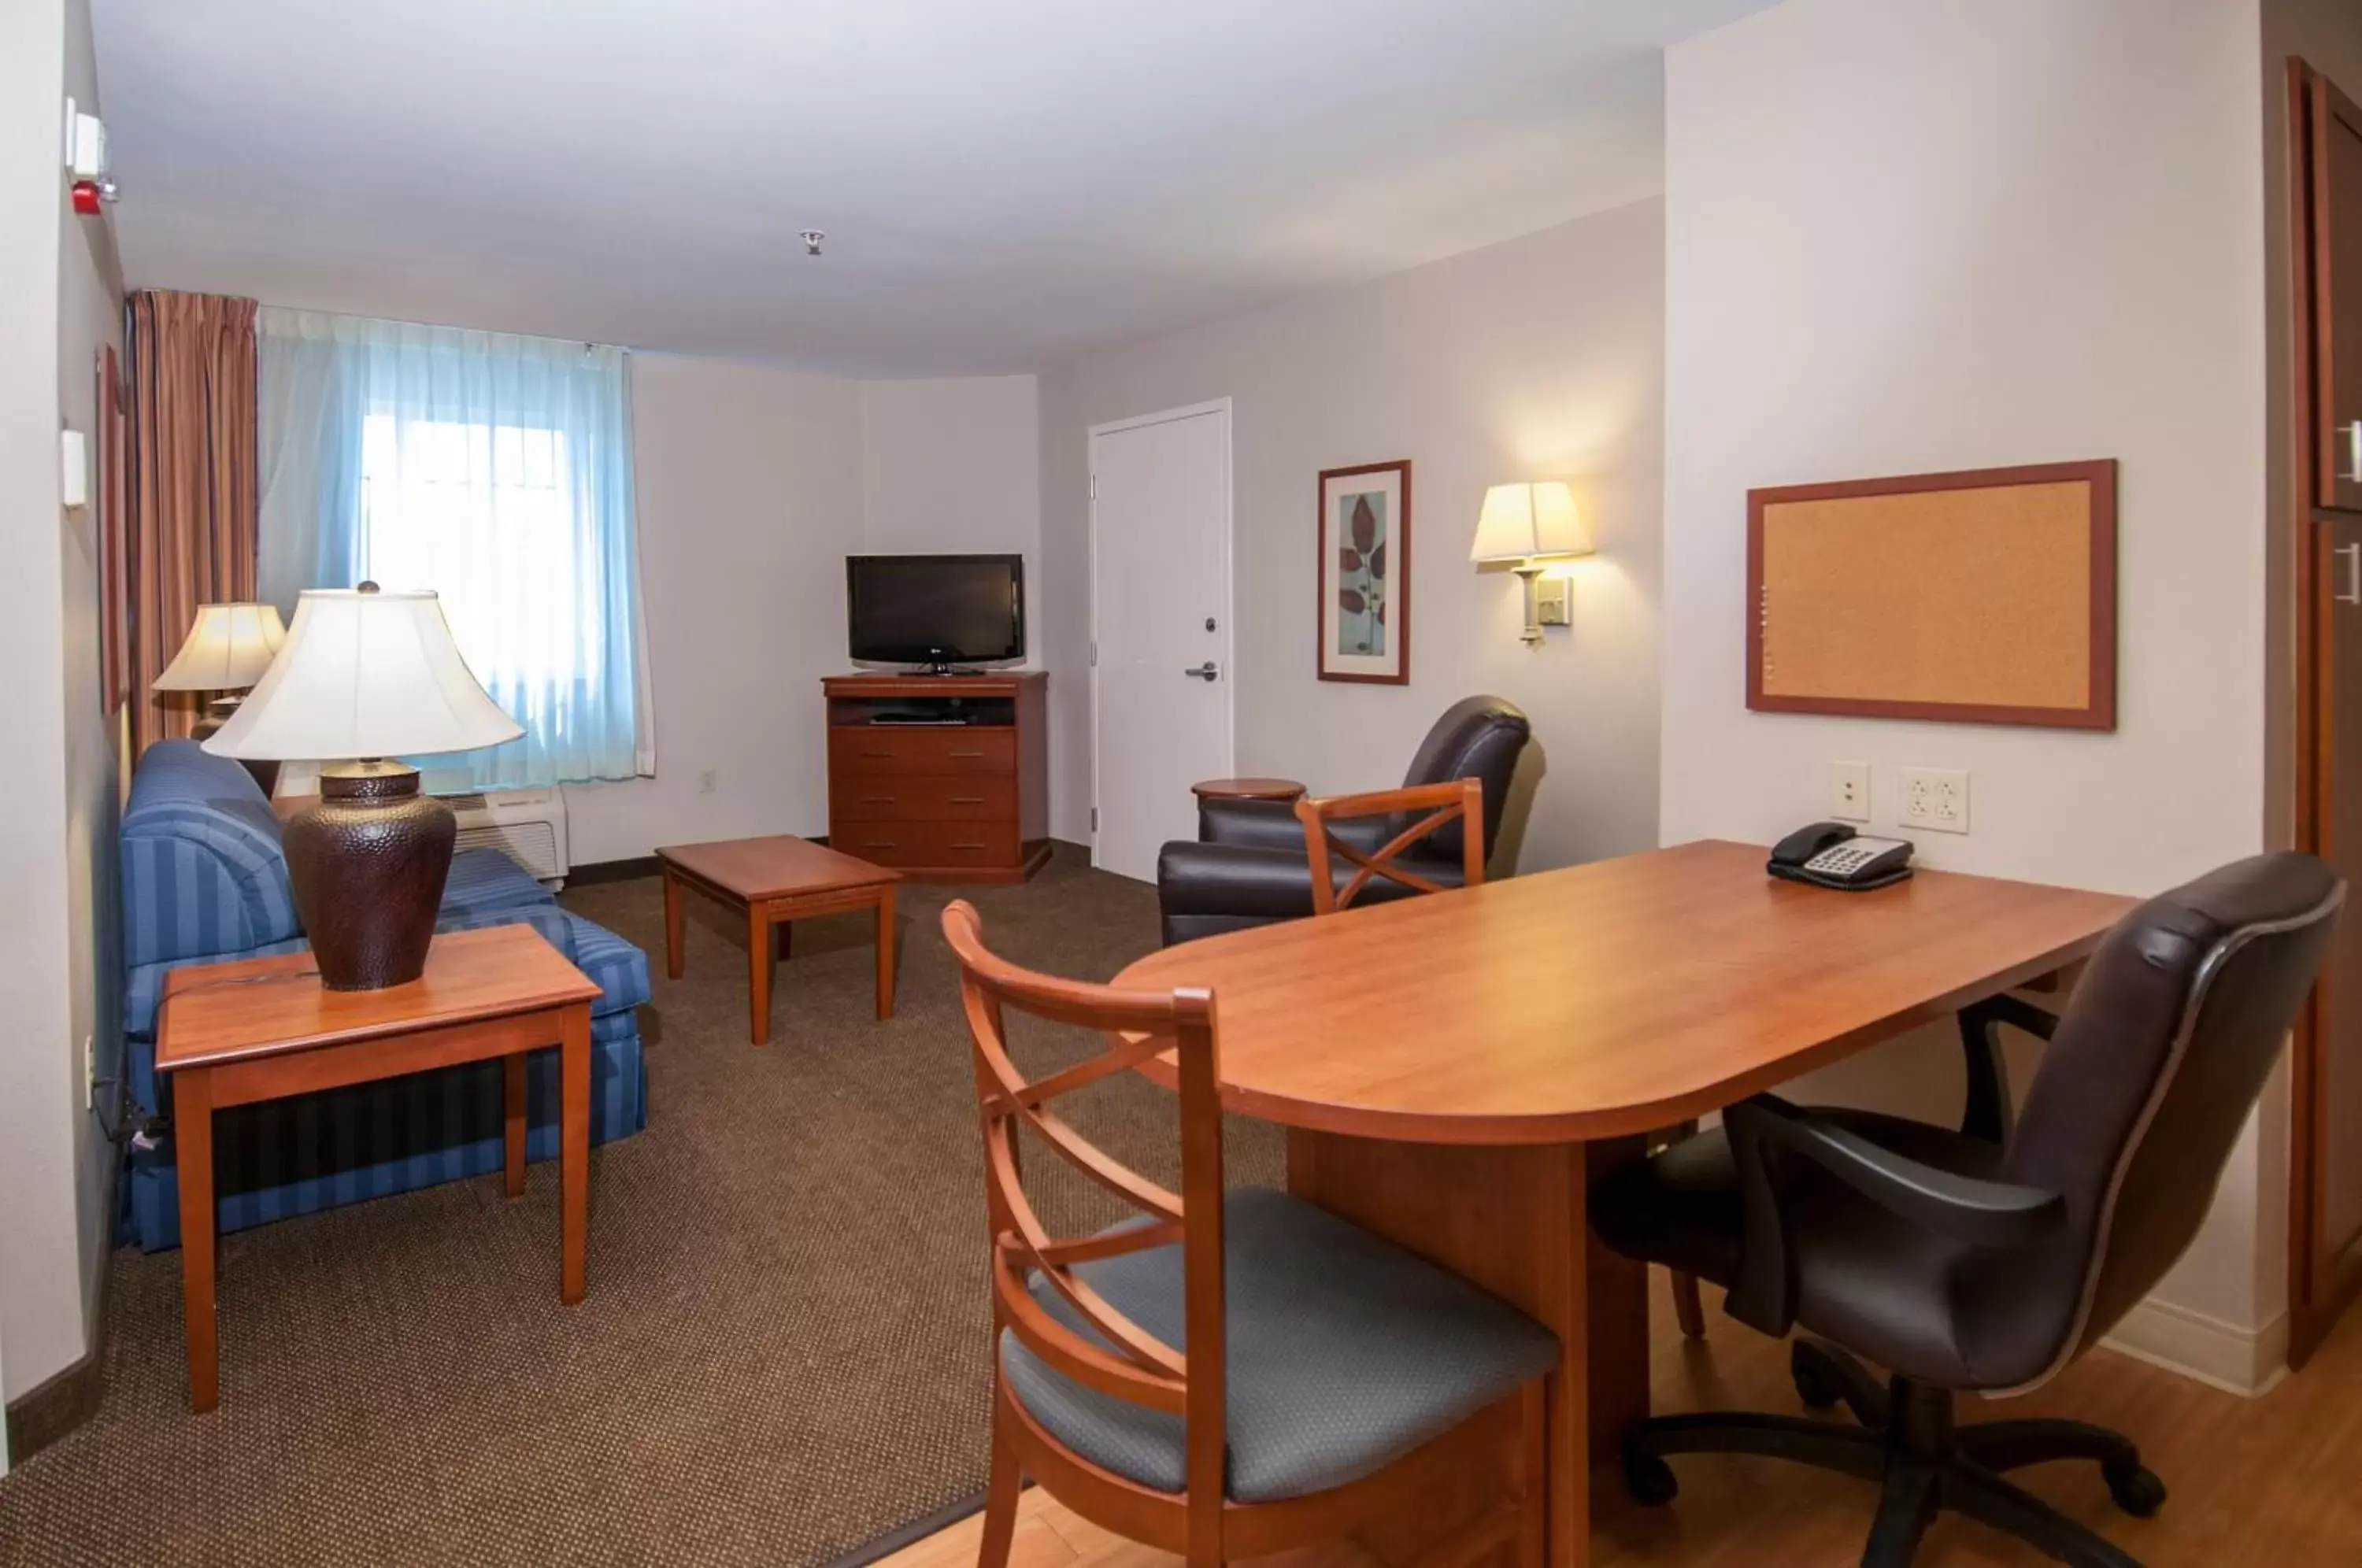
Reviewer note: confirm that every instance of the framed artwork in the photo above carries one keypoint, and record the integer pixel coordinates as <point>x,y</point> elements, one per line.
<point>1364,624</point>
<point>114,534</point>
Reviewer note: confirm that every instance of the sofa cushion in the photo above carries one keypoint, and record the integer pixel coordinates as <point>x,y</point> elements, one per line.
<point>485,880</point>
<point>202,870</point>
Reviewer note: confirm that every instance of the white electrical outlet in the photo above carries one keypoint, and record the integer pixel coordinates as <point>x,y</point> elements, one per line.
<point>706,781</point>
<point>1935,799</point>
<point>1849,791</point>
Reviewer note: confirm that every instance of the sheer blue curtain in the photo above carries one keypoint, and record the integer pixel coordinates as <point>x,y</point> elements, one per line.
<point>493,469</point>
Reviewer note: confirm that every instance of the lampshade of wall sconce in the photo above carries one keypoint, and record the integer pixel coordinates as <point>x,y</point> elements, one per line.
<point>227,650</point>
<point>1530,522</point>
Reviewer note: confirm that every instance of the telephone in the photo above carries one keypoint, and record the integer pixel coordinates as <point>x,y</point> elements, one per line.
<point>1831,855</point>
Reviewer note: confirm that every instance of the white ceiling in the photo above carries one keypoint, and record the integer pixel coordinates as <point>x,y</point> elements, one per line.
<point>1003,182</point>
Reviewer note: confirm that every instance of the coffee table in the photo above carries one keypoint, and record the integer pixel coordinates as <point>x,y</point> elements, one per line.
<point>261,1029</point>
<point>774,882</point>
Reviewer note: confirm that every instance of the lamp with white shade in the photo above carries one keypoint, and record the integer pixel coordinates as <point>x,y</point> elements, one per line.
<point>371,675</point>
<point>227,650</point>
<point>1525,526</point>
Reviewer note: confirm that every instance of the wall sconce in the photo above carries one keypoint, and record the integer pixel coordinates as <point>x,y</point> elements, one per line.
<point>1525,526</point>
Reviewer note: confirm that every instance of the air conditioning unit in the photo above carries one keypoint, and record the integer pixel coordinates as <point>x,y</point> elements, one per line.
<point>526,826</point>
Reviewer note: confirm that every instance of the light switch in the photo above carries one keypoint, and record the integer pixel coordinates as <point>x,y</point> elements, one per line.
<point>1554,599</point>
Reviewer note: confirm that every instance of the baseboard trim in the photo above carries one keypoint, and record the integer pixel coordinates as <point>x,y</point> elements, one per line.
<point>594,871</point>
<point>2246,1362</point>
<point>70,1395</point>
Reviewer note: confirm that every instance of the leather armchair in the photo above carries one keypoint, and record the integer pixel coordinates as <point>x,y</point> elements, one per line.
<point>1249,867</point>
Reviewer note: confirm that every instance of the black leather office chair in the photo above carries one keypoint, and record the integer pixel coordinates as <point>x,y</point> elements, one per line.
<point>1958,1261</point>
<point>1250,869</point>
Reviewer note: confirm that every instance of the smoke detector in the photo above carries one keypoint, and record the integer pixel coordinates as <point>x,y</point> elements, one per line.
<point>811,238</point>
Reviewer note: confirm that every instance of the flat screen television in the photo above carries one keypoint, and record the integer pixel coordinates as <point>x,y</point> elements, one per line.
<point>936,610</point>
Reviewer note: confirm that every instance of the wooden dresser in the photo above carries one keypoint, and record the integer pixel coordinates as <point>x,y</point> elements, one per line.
<point>944,777</point>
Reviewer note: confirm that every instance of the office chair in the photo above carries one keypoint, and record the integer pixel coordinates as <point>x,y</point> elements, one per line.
<point>1250,867</point>
<point>1959,1264</point>
<point>1234,1373</point>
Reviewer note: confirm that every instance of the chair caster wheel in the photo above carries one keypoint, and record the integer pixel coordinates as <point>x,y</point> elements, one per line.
<point>1650,1480</point>
<point>2137,1491</point>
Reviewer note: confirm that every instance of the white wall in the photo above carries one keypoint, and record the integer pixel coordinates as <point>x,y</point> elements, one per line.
<point>754,485</point>
<point>1536,358</point>
<point>60,960</point>
<point>750,497</point>
<point>955,466</point>
<point>1956,233</point>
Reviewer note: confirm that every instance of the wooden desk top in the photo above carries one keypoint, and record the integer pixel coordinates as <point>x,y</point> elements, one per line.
<point>259,1007</point>
<point>1617,998</point>
<point>774,867</point>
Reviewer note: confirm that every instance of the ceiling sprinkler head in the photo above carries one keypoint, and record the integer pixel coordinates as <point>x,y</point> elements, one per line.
<point>811,238</point>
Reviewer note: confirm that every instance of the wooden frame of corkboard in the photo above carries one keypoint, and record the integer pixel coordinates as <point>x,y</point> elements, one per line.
<point>1985,597</point>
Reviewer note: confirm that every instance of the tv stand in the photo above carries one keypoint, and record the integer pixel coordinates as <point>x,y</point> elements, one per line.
<point>944,784</point>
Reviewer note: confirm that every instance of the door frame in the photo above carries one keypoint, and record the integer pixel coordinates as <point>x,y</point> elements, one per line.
<point>1229,653</point>
<point>2320,1285</point>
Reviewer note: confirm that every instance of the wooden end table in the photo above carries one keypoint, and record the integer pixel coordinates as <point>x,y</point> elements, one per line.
<point>261,1029</point>
<point>774,881</point>
<point>1287,791</point>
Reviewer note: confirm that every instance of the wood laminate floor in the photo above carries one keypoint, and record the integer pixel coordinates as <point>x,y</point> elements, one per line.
<point>2273,1483</point>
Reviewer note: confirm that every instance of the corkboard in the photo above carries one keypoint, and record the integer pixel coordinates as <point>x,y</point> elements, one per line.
<point>1986,597</point>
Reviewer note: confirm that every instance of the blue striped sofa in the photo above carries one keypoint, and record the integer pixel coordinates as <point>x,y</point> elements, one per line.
<point>203,880</point>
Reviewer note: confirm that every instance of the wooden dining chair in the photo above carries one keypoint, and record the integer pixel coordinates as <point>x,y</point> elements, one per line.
<point>1456,803</point>
<point>1229,1374</point>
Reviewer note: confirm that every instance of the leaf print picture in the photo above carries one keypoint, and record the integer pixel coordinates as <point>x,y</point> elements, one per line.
<point>1364,573</point>
<point>1361,576</point>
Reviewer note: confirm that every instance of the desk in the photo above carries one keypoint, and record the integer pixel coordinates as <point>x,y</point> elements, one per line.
<point>263,1028</point>
<point>1455,1070</point>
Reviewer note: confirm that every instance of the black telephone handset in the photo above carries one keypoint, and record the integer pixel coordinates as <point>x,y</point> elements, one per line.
<point>1831,855</point>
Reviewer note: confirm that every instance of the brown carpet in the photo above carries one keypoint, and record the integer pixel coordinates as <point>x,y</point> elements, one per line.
<point>782,1357</point>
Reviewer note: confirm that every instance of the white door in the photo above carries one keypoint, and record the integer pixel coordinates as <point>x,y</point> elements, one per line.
<point>1161,628</point>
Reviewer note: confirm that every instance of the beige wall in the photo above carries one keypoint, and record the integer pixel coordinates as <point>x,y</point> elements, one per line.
<point>750,496</point>
<point>60,958</point>
<point>1536,359</point>
<point>755,484</point>
<point>1968,233</point>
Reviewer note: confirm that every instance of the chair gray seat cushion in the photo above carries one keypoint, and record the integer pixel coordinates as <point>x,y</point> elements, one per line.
<point>1345,1353</point>
<point>1876,1284</point>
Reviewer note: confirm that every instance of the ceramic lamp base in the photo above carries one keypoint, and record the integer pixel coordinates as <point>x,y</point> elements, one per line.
<point>367,865</point>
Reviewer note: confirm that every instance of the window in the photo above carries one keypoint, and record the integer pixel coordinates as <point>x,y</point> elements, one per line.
<point>494,470</point>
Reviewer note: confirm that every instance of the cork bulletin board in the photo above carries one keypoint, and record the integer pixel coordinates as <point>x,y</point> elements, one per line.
<point>1986,597</point>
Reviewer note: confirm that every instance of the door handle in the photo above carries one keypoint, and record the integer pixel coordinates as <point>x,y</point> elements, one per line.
<point>2353,474</point>
<point>2353,554</point>
<point>1205,672</point>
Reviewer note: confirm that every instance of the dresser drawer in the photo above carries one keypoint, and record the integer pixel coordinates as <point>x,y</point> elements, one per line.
<point>936,845</point>
<point>923,798</point>
<point>864,749</point>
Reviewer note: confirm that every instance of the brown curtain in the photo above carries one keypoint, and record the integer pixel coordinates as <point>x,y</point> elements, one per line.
<point>193,513</point>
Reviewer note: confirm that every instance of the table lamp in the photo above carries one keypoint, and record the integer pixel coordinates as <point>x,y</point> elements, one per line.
<point>1525,525</point>
<point>371,675</point>
<point>226,651</point>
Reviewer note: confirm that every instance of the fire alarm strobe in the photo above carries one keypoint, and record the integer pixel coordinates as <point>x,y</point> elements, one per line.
<point>91,196</point>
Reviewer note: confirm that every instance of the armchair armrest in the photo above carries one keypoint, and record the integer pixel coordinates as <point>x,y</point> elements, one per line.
<point>1966,1208</point>
<point>1988,1114</point>
<point>1273,824</point>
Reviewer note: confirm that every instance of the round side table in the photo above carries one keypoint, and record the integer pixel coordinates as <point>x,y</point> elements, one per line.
<point>1285,791</point>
